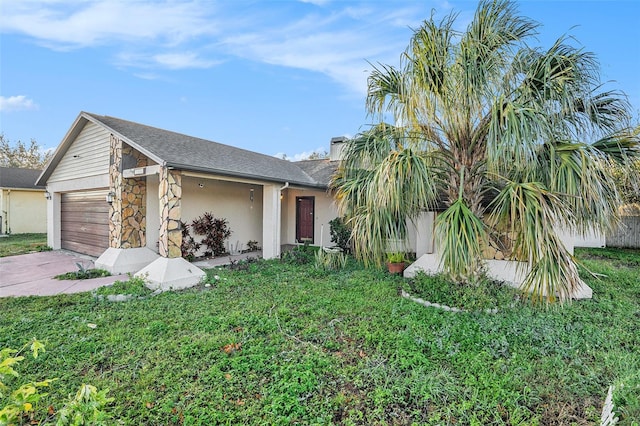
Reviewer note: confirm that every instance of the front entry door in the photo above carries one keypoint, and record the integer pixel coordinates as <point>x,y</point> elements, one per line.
<point>304,219</point>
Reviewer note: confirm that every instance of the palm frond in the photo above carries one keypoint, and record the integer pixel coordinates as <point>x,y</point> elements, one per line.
<point>462,238</point>
<point>621,147</point>
<point>530,211</point>
<point>385,90</point>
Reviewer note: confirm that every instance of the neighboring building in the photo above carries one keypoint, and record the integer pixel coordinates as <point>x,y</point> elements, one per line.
<point>23,207</point>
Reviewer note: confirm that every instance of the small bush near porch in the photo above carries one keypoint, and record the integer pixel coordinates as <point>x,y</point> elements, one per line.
<point>278,343</point>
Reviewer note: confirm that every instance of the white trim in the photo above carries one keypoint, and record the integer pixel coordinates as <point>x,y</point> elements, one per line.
<point>141,171</point>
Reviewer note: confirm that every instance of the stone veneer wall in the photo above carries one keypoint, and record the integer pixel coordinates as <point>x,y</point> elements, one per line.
<point>500,247</point>
<point>127,224</point>
<point>170,193</point>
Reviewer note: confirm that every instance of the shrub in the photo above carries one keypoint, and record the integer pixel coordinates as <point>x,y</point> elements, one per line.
<point>252,245</point>
<point>299,255</point>
<point>330,258</point>
<point>215,232</point>
<point>340,234</point>
<point>189,246</point>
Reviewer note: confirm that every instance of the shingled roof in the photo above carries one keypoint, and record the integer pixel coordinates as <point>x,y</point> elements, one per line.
<point>320,170</point>
<point>194,154</point>
<point>17,178</point>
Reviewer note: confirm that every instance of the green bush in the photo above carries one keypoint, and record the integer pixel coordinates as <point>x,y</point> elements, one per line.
<point>340,234</point>
<point>299,255</point>
<point>332,259</point>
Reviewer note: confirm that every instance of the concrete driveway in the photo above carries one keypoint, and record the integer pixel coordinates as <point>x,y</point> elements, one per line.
<point>32,274</point>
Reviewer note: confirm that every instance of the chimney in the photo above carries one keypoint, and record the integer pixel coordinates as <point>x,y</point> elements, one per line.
<point>337,145</point>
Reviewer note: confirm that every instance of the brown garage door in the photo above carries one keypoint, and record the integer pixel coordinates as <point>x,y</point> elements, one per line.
<point>84,224</point>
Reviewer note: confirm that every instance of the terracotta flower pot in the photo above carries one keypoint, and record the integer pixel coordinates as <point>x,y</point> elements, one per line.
<point>396,268</point>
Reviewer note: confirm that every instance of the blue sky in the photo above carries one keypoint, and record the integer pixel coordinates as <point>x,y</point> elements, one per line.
<point>270,76</point>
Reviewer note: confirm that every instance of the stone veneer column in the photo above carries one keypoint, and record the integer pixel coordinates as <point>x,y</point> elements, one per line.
<point>134,190</point>
<point>127,224</point>
<point>170,194</point>
<point>115,187</point>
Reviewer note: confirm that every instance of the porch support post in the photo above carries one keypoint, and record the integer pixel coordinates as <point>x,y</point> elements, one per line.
<point>127,223</point>
<point>53,220</point>
<point>170,271</point>
<point>127,250</point>
<point>170,194</point>
<point>115,187</point>
<point>271,222</point>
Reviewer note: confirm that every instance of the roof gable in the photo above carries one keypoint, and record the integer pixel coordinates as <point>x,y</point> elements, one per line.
<point>190,153</point>
<point>195,154</point>
<point>320,170</point>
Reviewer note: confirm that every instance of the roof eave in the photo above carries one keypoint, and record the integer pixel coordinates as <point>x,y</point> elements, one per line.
<point>227,173</point>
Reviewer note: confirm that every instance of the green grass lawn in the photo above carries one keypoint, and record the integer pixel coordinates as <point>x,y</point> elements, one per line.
<point>286,344</point>
<point>14,244</point>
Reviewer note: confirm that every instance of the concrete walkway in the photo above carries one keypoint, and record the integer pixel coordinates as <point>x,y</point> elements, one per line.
<point>32,274</point>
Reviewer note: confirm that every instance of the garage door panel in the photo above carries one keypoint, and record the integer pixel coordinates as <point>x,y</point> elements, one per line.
<point>85,236</point>
<point>84,222</point>
<point>80,217</point>
<point>91,250</point>
<point>85,207</point>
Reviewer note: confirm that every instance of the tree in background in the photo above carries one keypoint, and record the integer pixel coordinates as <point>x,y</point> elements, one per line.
<point>21,155</point>
<point>506,138</point>
<point>628,181</point>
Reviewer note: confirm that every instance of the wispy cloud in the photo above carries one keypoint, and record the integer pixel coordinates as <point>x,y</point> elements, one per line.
<point>316,2</point>
<point>16,103</point>
<point>168,60</point>
<point>176,61</point>
<point>336,39</point>
<point>68,25</point>
<point>337,44</point>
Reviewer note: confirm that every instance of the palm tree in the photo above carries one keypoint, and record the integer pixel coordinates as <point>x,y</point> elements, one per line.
<point>506,139</point>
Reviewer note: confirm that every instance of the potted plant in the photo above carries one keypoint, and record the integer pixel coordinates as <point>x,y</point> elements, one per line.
<point>396,262</point>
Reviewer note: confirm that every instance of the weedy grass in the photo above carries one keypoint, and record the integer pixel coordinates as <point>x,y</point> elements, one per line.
<point>83,274</point>
<point>15,244</point>
<point>133,286</point>
<point>282,343</point>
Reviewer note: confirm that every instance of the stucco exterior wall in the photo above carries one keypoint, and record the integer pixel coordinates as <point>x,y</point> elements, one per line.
<point>228,200</point>
<point>23,211</point>
<point>593,238</point>
<point>324,211</point>
<point>88,155</point>
<point>153,215</point>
